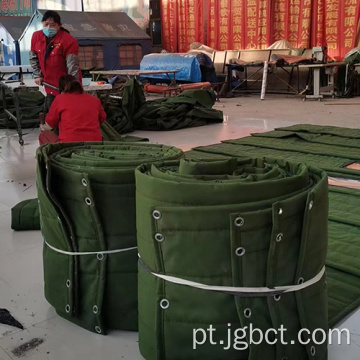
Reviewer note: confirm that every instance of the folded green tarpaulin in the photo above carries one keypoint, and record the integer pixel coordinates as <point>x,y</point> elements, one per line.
<point>329,147</point>
<point>190,108</point>
<point>34,99</point>
<point>86,195</point>
<point>25,215</point>
<point>239,225</point>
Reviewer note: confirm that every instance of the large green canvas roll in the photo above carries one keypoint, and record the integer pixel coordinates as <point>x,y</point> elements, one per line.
<point>233,228</point>
<point>86,195</point>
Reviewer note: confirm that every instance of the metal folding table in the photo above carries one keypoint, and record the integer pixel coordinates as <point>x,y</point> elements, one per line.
<point>16,88</point>
<point>319,93</point>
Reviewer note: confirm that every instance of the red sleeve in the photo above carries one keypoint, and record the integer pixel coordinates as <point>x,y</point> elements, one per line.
<point>33,41</point>
<point>53,116</point>
<point>72,47</point>
<point>102,114</point>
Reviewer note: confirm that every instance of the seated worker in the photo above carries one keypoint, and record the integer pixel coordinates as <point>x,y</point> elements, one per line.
<point>77,115</point>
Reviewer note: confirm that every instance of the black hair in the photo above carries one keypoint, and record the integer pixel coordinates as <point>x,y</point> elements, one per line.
<point>69,84</point>
<point>50,14</point>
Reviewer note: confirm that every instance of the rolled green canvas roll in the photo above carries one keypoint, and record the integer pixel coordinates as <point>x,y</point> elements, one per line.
<point>231,244</point>
<point>86,195</point>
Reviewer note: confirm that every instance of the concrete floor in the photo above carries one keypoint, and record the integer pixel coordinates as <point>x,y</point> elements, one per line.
<point>21,274</point>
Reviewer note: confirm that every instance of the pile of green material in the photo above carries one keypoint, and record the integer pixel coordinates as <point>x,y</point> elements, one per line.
<point>25,215</point>
<point>332,149</point>
<point>86,195</point>
<point>110,134</point>
<point>190,108</point>
<point>327,147</point>
<point>231,227</point>
<point>32,99</point>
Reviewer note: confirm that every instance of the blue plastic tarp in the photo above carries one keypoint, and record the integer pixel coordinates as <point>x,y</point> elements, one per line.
<point>188,66</point>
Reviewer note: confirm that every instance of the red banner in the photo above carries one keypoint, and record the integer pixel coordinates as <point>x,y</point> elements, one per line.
<point>169,25</point>
<point>318,23</point>
<point>212,30</point>
<point>257,23</point>
<point>237,26</point>
<point>220,24</point>
<point>292,22</point>
<point>15,8</point>
<point>341,24</point>
<point>182,23</point>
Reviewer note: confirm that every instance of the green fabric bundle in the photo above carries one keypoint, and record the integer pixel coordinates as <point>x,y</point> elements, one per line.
<point>190,108</point>
<point>86,195</point>
<point>231,227</point>
<point>25,215</point>
<point>32,98</point>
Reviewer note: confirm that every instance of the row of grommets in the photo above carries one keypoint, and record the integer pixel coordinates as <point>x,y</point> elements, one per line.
<point>240,251</point>
<point>95,308</point>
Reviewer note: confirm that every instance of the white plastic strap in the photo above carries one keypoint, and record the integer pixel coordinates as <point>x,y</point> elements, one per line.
<point>89,252</point>
<point>244,290</point>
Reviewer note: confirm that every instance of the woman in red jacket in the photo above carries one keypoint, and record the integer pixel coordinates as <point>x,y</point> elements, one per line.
<point>53,53</point>
<point>77,115</point>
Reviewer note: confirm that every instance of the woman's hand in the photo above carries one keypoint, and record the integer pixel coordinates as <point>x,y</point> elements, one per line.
<point>44,127</point>
<point>39,80</point>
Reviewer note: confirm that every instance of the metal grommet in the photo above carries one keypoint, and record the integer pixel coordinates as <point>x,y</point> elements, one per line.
<point>312,351</point>
<point>280,211</point>
<point>240,251</point>
<point>301,281</point>
<point>159,237</point>
<point>67,308</point>
<point>311,203</point>
<point>95,309</point>
<point>84,182</point>
<point>284,358</point>
<point>97,329</point>
<point>164,304</point>
<point>156,214</point>
<point>68,283</point>
<point>88,201</point>
<point>239,221</point>
<point>100,256</point>
<point>247,313</point>
<point>279,237</point>
<point>277,297</point>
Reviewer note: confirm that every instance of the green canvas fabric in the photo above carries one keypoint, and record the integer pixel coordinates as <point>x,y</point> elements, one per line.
<point>190,108</point>
<point>343,254</point>
<point>27,99</point>
<point>193,218</point>
<point>86,195</point>
<point>110,134</point>
<point>330,148</point>
<point>25,215</point>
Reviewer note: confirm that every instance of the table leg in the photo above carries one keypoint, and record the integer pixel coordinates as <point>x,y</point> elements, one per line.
<point>18,116</point>
<point>316,82</point>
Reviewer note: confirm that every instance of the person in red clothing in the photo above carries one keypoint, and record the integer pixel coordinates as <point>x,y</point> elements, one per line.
<point>77,115</point>
<point>53,53</point>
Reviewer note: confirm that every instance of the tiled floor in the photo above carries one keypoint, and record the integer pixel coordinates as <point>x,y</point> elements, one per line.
<point>21,277</point>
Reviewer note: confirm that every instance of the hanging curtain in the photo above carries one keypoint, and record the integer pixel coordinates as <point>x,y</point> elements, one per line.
<point>341,22</point>
<point>257,18</point>
<point>169,20</point>
<point>255,24</point>
<point>182,24</point>
<point>239,24</point>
